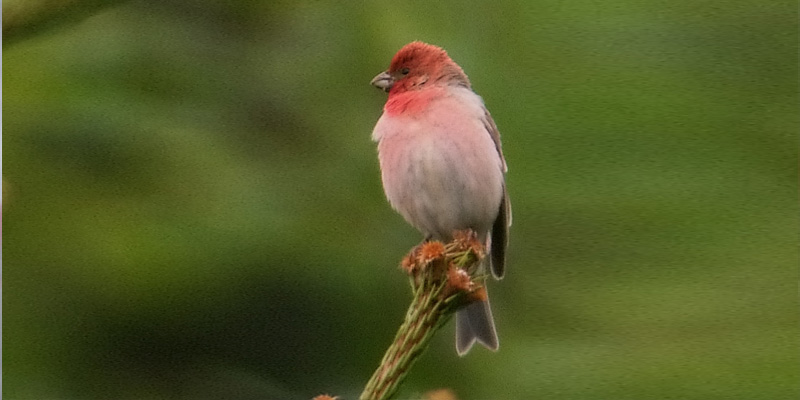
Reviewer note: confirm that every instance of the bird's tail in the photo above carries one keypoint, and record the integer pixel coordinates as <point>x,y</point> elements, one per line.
<point>474,322</point>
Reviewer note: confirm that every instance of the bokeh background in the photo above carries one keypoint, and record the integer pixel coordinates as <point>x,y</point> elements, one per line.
<point>192,204</point>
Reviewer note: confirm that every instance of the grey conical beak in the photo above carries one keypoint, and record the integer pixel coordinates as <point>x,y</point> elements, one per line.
<point>383,81</point>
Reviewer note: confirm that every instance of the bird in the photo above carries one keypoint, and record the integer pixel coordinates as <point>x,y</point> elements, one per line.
<point>442,166</point>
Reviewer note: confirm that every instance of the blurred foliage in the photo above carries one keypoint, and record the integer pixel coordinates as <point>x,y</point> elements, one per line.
<point>194,205</point>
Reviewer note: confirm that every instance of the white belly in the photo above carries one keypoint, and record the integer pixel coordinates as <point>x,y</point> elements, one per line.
<point>446,178</point>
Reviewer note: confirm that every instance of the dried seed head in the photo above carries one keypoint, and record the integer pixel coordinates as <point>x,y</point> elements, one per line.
<point>457,280</point>
<point>440,394</point>
<point>467,240</point>
<point>409,262</point>
<point>479,294</point>
<point>430,251</point>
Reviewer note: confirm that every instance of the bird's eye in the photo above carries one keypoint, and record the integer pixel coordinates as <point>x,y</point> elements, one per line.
<point>404,71</point>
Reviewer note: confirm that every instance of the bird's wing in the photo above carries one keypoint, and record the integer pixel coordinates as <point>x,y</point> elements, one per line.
<point>503,221</point>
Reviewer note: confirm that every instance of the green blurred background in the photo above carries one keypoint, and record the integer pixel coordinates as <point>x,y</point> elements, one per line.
<point>193,210</point>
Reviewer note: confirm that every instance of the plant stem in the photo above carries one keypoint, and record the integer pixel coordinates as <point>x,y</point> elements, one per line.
<point>425,315</point>
<point>437,295</point>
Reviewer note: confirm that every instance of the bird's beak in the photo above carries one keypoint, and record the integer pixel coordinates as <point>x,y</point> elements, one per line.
<point>383,81</point>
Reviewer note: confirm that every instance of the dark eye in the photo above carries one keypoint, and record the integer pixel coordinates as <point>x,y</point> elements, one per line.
<point>404,71</point>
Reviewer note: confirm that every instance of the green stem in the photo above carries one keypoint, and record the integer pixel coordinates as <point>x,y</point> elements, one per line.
<point>442,279</point>
<point>428,312</point>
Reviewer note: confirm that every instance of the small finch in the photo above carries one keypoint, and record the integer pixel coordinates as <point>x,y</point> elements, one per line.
<point>442,165</point>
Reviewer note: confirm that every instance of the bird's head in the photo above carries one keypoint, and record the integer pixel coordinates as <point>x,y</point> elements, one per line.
<point>417,66</point>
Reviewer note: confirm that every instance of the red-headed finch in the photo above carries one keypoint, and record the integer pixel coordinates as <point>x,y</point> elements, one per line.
<point>442,165</point>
